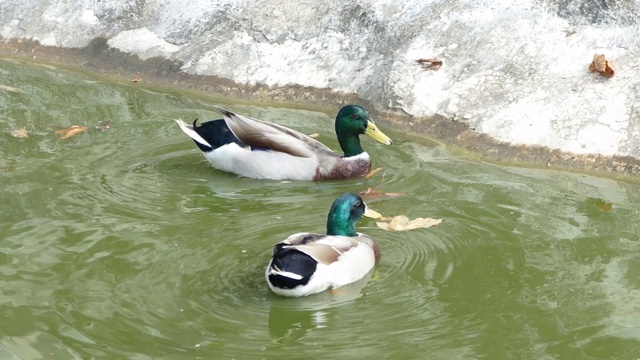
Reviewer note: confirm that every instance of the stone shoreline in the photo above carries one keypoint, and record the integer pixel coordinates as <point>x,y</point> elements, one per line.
<point>98,57</point>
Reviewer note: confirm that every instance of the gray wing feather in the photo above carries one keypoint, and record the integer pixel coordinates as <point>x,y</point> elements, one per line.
<point>325,249</point>
<point>262,134</point>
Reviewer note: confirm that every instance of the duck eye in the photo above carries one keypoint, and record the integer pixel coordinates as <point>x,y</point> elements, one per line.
<point>354,116</point>
<point>358,203</point>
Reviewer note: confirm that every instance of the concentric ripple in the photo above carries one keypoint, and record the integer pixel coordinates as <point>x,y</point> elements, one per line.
<point>125,243</point>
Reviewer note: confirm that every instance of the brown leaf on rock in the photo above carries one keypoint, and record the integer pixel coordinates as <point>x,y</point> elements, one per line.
<point>603,66</point>
<point>71,131</point>
<point>402,223</point>
<point>21,133</point>
<point>430,63</point>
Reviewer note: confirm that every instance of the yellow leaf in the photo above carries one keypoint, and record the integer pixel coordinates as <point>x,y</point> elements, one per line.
<point>372,172</point>
<point>71,131</point>
<point>402,223</point>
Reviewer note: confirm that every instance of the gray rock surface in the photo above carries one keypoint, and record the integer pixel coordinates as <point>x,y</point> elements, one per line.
<point>515,70</point>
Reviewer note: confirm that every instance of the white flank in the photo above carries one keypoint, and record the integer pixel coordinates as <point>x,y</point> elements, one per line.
<point>261,164</point>
<point>350,267</point>
<point>191,133</point>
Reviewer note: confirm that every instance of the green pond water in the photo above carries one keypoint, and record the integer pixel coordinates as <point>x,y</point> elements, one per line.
<point>126,244</point>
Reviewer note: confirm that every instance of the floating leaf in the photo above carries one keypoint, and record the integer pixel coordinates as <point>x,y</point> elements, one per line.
<point>372,172</point>
<point>371,192</point>
<point>430,63</point>
<point>136,79</point>
<point>402,223</point>
<point>20,133</point>
<point>395,194</point>
<point>603,66</point>
<point>105,125</point>
<point>71,131</point>
<point>314,135</point>
<point>10,89</point>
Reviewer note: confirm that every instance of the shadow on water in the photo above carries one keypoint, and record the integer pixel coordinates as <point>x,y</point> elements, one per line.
<point>124,243</point>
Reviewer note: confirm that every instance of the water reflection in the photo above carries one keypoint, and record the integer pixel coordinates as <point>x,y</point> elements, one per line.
<point>292,319</point>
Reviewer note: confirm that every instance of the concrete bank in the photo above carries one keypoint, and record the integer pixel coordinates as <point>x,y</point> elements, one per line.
<point>514,83</point>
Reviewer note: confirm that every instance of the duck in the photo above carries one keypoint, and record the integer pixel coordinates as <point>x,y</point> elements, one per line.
<point>260,149</point>
<point>309,263</point>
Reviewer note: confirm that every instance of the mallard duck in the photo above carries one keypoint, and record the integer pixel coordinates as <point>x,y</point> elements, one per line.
<point>262,150</point>
<point>307,263</point>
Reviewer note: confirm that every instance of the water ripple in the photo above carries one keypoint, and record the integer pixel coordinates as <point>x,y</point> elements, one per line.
<point>127,244</point>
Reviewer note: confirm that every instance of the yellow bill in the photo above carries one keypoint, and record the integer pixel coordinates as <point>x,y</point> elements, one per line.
<point>371,214</point>
<point>376,134</point>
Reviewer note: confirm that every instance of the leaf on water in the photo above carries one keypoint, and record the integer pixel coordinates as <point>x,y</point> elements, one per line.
<point>21,133</point>
<point>601,204</point>
<point>10,89</point>
<point>395,194</point>
<point>430,63</point>
<point>105,125</point>
<point>71,131</point>
<point>603,66</point>
<point>136,79</point>
<point>402,223</point>
<point>371,193</point>
<point>372,172</point>
<point>314,135</point>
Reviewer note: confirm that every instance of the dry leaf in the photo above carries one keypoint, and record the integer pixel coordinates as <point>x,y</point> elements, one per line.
<point>430,63</point>
<point>603,66</point>
<point>372,172</point>
<point>10,89</point>
<point>314,135</point>
<point>402,223</point>
<point>396,194</point>
<point>71,131</point>
<point>136,79</point>
<point>20,133</point>
<point>371,193</point>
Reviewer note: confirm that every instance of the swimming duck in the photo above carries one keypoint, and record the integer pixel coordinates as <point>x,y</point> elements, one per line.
<point>262,150</point>
<point>307,263</point>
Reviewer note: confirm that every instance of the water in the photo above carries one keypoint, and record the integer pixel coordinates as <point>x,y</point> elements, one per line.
<point>124,243</point>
